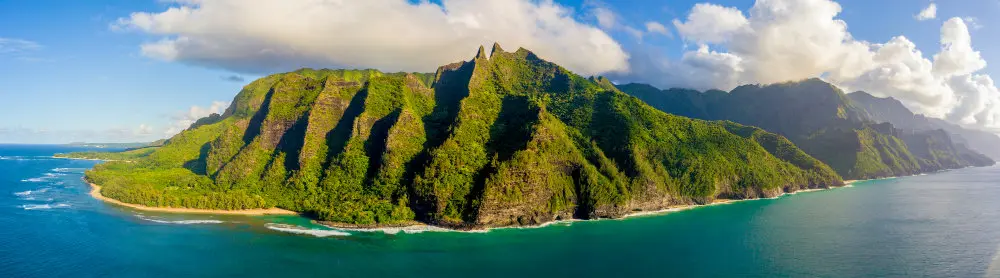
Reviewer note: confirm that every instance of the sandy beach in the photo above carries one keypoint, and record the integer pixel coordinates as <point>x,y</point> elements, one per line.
<point>95,191</point>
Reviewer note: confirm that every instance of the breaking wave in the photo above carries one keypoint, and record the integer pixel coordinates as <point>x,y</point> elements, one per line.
<point>19,157</point>
<point>29,192</point>
<point>181,222</point>
<point>305,231</point>
<point>68,170</point>
<point>44,206</point>
<point>44,177</point>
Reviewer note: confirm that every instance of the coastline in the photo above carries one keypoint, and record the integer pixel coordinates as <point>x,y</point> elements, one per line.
<point>429,228</point>
<point>95,191</point>
<point>89,159</point>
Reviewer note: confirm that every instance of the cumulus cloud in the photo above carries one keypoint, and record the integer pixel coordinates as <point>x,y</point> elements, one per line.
<point>654,27</point>
<point>957,56</point>
<point>393,35</point>
<point>782,40</point>
<point>930,12</point>
<point>183,120</point>
<point>710,23</point>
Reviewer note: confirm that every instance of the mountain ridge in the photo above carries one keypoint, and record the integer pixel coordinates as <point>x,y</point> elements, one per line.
<point>823,121</point>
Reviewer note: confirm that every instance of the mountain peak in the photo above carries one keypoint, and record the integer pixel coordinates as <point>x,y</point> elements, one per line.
<point>496,49</point>
<point>482,53</point>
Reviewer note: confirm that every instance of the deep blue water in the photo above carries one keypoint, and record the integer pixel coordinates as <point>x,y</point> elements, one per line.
<point>940,225</point>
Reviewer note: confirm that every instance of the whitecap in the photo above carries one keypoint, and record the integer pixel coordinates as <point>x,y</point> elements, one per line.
<point>180,222</point>
<point>21,158</point>
<point>415,229</point>
<point>302,230</point>
<point>68,170</point>
<point>44,206</point>
<point>29,192</point>
<point>45,177</point>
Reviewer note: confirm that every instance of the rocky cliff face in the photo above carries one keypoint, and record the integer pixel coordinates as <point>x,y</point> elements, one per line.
<point>503,139</point>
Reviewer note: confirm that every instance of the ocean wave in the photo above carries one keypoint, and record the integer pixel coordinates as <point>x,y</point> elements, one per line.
<point>29,192</point>
<point>415,229</point>
<point>44,206</point>
<point>305,231</point>
<point>180,222</point>
<point>45,177</point>
<point>20,157</point>
<point>68,170</point>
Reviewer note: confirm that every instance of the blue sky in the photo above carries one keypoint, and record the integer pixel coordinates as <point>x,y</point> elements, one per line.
<point>68,74</point>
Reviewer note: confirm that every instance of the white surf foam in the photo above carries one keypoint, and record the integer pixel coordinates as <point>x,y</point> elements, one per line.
<point>29,192</point>
<point>45,177</point>
<point>68,170</point>
<point>180,222</point>
<point>305,231</point>
<point>44,206</point>
<point>416,229</point>
<point>18,157</point>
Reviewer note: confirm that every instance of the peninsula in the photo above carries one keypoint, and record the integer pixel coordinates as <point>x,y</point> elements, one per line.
<point>504,139</point>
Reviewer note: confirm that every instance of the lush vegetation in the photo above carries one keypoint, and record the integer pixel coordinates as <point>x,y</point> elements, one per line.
<point>508,139</point>
<point>825,123</point>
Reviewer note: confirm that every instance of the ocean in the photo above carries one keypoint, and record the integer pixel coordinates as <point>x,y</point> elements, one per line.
<point>938,225</point>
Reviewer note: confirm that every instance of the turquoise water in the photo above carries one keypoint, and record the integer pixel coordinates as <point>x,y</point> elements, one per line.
<point>939,225</point>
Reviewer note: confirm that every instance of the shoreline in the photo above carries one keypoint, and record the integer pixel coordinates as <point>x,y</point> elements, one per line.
<point>95,191</point>
<point>88,159</point>
<point>429,228</point>
<point>419,228</point>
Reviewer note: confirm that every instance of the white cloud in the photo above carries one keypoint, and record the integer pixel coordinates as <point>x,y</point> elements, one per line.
<point>183,120</point>
<point>782,40</point>
<point>654,27</point>
<point>930,12</point>
<point>393,35</point>
<point>957,56</point>
<point>710,23</point>
<point>605,17</point>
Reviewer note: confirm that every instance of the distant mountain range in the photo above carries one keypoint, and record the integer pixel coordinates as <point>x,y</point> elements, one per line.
<point>509,139</point>
<point>892,111</point>
<point>826,124</point>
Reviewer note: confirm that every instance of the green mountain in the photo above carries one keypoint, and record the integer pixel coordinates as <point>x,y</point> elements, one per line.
<point>892,111</point>
<point>824,122</point>
<point>504,140</point>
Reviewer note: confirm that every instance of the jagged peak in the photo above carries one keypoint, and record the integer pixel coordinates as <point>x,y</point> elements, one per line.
<point>482,53</point>
<point>496,49</point>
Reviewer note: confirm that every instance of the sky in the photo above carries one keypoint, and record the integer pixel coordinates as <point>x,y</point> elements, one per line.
<point>134,71</point>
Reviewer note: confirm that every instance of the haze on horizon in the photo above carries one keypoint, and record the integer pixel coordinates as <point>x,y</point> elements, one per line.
<point>144,71</point>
